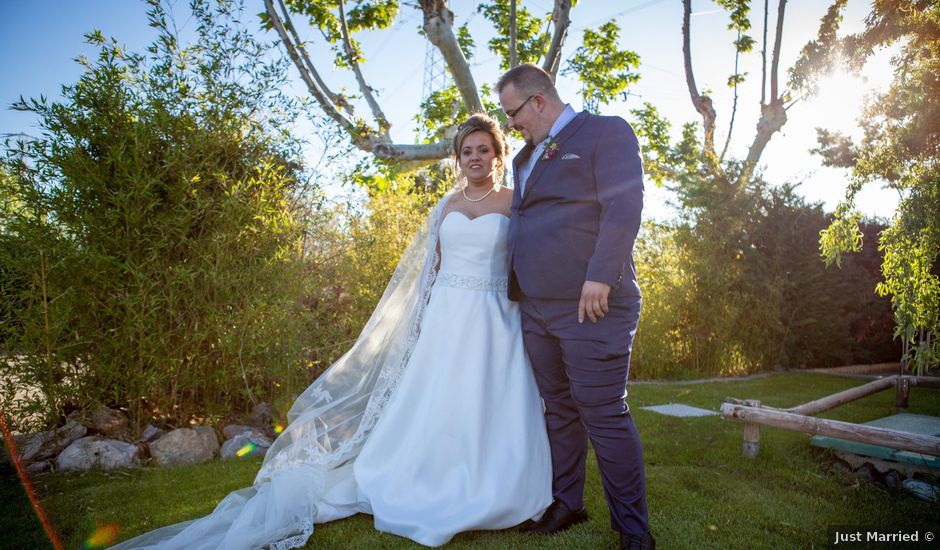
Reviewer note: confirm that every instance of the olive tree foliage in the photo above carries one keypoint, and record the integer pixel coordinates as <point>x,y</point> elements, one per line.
<point>900,149</point>
<point>519,36</point>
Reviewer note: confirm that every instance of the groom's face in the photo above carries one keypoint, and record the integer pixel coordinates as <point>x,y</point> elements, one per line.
<point>524,113</point>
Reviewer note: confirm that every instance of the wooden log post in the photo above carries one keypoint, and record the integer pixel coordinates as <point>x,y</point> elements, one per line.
<point>750,447</point>
<point>903,393</point>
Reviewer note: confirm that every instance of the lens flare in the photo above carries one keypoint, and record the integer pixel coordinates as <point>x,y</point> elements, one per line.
<point>278,428</point>
<point>245,450</point>
<point>24,479</point>
<point>103,536</point>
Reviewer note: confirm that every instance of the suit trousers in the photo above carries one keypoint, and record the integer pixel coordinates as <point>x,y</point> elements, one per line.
<point>581,371</point>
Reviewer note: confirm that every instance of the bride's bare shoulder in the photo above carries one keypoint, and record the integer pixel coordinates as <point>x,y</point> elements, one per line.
<point>505,200</point>
<point>450,202</point>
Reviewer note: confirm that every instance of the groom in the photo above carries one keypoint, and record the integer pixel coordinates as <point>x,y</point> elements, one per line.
<point>575,216</point>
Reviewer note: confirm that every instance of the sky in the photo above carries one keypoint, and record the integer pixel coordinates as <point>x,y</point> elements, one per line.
<point>40,39</point>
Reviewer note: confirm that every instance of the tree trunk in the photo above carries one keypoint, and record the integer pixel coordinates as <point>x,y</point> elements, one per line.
<point>439,28</point>
<point>772,119</point>
<point>703,103</point>
<point>513,53</point>
<point>561,16</point>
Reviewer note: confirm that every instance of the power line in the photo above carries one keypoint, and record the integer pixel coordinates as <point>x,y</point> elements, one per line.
<point>618,14</point>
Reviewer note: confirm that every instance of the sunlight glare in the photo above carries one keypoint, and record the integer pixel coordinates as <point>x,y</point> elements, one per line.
<point>245,450</point>
<point>103,536</point>
<point>839,103</point>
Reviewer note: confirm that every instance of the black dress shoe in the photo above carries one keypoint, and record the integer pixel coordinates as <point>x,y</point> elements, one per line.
<point>637,542</point>
<point>557,518</point>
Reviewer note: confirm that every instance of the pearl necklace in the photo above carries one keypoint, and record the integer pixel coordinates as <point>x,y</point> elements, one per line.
<point>464,191</point>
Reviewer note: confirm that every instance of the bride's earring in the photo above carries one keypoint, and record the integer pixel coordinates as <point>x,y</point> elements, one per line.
<point>499,175</point>
<point>460,177</point>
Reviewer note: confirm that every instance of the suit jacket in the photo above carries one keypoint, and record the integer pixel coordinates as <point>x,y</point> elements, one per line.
<point>580,213</point>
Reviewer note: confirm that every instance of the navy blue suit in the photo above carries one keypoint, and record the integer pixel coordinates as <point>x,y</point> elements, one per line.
<point>577,220</point>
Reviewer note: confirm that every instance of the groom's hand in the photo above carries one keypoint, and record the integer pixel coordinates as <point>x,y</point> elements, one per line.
<point>593,301</point>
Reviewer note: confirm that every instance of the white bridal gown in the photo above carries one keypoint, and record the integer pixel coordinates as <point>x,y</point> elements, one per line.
<point>461,444</point>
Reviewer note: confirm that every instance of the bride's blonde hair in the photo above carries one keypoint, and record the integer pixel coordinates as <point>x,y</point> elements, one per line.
<point>480,122</point>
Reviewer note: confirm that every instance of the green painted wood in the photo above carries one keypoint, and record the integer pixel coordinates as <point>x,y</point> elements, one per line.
<point>904,422</point>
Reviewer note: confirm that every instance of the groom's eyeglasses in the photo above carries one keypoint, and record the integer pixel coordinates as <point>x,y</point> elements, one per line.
<point>513,112</point>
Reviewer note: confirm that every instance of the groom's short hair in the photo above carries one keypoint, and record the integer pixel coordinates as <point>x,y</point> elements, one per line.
<point>528,79</point>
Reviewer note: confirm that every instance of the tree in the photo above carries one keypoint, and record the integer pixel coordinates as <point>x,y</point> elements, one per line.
<point>520,37</point>
<point>737,311</point>
<point>720,195</point>
<point>901,149</point>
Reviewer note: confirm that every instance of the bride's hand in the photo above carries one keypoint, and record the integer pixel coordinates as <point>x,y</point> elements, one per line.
<point>593,301</point>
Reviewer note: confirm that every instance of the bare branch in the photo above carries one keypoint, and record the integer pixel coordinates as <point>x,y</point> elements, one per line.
<point>439,28</point>
<point>354,64</point>
<point>702,103</point>
<point>307,72</point>
<point>513,54</point>
<point>734,106</point>
<point>775,64</point>
<point>773,115</point>
<point>337,100</point>
<point>362,137</point>
<point>560,15</point>
<point>430,152</point>
<point>763,65</point>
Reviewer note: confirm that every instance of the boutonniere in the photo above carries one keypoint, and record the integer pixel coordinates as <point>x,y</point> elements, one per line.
<point>551,148</point>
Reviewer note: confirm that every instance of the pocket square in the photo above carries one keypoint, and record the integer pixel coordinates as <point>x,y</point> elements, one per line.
<point>570,156</point>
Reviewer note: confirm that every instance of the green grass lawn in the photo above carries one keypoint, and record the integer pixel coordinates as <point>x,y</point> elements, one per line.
<point>702,493</point>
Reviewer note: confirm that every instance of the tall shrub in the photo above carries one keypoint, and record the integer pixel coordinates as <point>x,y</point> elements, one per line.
<point>353,250</point>
<point>736,287</point>
<point>154,253</point>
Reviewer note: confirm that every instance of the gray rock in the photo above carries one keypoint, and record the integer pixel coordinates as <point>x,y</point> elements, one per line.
<point>41,446</point>
<point>71,431</point>
<point>182,446</point>
<point>232,430</point>
<point>95,452</point>
<point>110,422</point>
<point>209,437</point>
<point>35,447</point>
<point>250,444</point>
<point>151,433</point>
<point>263,418</point>
<point>39,467</point>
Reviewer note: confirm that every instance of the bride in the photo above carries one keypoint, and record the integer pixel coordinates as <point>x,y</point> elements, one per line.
<point>431,422</point>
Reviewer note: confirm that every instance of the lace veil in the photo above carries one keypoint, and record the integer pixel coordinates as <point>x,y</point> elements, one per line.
<point>307,475</point>
<point>331,419</point>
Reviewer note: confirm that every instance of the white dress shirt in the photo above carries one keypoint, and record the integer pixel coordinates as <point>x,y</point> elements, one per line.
<point>525,169</point>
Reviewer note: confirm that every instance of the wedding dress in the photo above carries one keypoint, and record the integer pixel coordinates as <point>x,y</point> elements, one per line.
<point>432,422</point>
<point>462,444</point>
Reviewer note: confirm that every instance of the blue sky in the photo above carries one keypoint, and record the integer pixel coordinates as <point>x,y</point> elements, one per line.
<point>39,40</point>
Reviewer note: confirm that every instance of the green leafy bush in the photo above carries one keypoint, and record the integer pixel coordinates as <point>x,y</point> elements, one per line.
<point>737,287</point>
<point>151,252</point>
